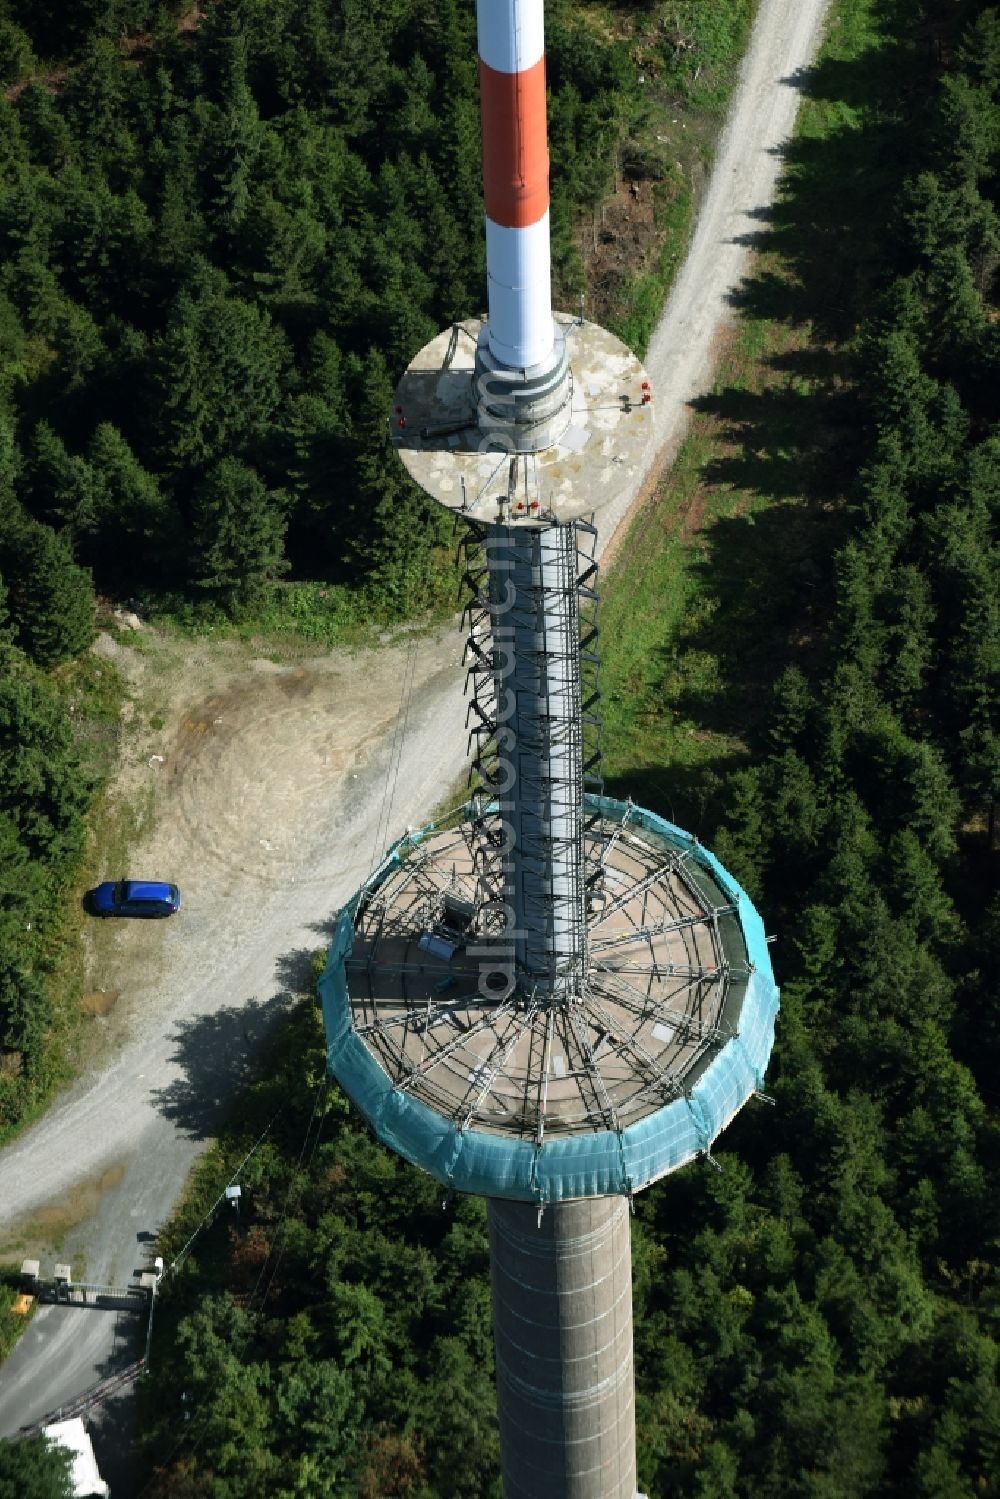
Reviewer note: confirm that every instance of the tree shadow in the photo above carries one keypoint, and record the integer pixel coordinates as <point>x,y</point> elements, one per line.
<point>216,1055</point>
<point>296,969</point>
<point>112,1423</point>
<point>770,581</point>
<point>113,1434</point>
<point>110,1420</point>
<point>788,440</point>
<point>688,795</point>
<point>834,211</point>
<point>830,226</point>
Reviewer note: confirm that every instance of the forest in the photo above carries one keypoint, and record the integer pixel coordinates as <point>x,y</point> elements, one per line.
<point>218,252</point>
<point>819,1318</point>
<point>224,230</point>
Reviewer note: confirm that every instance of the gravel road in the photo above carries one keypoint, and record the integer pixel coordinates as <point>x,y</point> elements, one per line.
<point>277,787</point>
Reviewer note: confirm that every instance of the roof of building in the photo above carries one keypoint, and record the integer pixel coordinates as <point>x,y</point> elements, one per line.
<point>87,1481</point>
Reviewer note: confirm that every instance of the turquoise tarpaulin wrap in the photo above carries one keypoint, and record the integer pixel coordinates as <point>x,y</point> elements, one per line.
<point>595,1163</point>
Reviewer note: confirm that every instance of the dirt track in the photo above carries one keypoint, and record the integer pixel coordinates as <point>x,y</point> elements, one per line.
<point>276,790</point>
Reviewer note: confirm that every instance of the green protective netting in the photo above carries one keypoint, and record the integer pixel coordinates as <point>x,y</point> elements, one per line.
<point>596,1164</point>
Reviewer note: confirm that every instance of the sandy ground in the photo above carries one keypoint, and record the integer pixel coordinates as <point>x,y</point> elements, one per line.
<point>273,789</point>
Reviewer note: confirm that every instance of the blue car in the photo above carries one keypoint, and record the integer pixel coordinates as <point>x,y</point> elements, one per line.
<point>135,898</point>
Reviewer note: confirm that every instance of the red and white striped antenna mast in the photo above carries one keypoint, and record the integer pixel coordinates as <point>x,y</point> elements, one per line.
<point>488,394</point>
<point>516,181</point>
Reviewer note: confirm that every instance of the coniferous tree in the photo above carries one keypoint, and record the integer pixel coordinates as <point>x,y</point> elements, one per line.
<point>216,375</point>
<point>237,530</point>
<point>51,598</point>
<point>390,508</point>
<point>25,1010</point>
<point>136,524</point>
<point>43,788</point>
<point>59,486</point>
<point>17,59</point>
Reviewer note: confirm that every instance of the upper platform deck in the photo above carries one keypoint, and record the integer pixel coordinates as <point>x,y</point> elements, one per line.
<point>601,442</point>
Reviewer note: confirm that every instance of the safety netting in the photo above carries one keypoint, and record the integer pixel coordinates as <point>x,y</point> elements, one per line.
<point>590,1163</point>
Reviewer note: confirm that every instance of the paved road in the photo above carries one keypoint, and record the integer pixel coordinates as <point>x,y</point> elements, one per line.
<point>136,1129</point>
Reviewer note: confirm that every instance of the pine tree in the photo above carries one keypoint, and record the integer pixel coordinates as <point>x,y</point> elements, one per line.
<point>34,1468</point>
<point>744,842</point>
<point>25,1009</point>
<point>232,140</point>
<point>237,534</point>
<point>397,530</point>
<point>136,525</point>
<point>910,637</point>
<point>47,134</point>
<point>180,233</point>
<point>17,59</point>
<point>913,880</point>
<point>796,811</point>
<point>94,100</point>
<point>43,789</point>
<point>60,486</point>
<point>217,374</point>
<point>51,599</point>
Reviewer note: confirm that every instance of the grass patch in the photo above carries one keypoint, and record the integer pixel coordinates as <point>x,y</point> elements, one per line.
<point>97,697</point>
<point>693,602</point>
<point>688,56</point>
<point>642,299</point>
<point>700,46</point>
<point>310,614</point>
<point>727,566</point>
<point>657,748</point>
<point>94,693</point>
<point>326,615</point>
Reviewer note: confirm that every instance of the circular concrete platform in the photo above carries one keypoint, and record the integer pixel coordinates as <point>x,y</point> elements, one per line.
<point>598,448</point>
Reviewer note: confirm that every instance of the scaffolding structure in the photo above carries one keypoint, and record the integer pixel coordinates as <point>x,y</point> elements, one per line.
<point>597,1090</point>
<point>555,1101</point>
<point>529,694</point>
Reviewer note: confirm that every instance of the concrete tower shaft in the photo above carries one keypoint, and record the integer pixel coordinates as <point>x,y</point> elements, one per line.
<point>562,1325</point>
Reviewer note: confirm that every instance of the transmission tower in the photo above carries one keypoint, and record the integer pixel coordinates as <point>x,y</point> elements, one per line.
<point>557,998</point>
